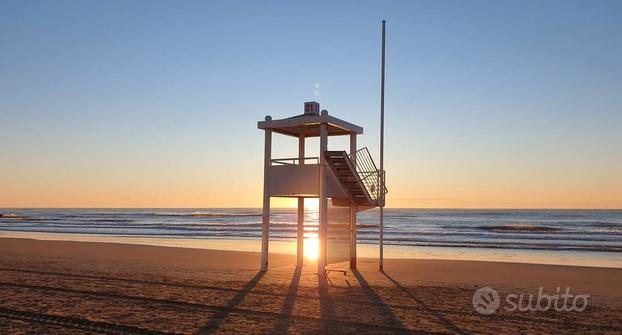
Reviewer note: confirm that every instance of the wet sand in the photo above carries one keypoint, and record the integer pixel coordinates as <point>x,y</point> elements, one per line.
<point>63,287</point>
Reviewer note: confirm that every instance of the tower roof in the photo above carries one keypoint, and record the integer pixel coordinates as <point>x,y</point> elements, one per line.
<point>309,125</point>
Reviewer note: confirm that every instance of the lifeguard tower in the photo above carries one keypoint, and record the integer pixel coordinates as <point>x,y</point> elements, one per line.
<point>345,183</point>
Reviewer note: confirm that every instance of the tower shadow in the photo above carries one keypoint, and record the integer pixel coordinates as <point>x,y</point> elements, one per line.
<point>384,310</point>
<point>448,324</point>
<point>221,315</point>
<point>288,304</point>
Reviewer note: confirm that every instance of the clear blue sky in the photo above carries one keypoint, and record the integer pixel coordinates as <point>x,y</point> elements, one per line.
<point>155,103</point>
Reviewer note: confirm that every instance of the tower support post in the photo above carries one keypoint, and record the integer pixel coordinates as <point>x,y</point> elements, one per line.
<point>300,233</point>
<point>323,202</point>
<point>265,222</point>
<point>353,208</point>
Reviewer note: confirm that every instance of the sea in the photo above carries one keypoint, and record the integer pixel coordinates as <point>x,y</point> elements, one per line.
<point>594,236</point>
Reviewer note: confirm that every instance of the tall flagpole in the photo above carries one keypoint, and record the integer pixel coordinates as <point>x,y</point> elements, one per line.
<point>381,263</point>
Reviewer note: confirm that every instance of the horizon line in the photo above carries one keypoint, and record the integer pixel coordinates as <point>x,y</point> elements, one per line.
<point>291,207</point>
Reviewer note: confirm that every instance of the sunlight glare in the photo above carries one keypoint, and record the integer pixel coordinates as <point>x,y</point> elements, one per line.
<point>312,203</point>
<point>311,248</point>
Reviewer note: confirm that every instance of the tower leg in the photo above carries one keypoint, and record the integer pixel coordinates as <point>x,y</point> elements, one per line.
<point>265,222</point>
<point>323,224</point>
<point>353,208</point>
<point>300,236</point>
<point>265,233</point>
<point>352,236</point>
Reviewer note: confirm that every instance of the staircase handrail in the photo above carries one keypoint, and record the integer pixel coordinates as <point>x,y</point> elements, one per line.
<point>366,168</point>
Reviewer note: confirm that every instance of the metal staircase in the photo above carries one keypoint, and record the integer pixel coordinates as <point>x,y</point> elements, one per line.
<point>358,175</point>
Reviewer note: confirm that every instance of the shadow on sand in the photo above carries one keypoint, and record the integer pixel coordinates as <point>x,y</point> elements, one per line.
<point>385,311</point>
<point>282,324</point>
<point>218,318</point>
<point>327,309</point>
<point>329,319</point>
<point>448,324</point>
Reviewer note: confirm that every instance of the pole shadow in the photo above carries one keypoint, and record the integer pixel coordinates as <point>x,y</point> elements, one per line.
<point>327,309</point>
<point>288,304</point>
<point>218,318</point>
<point>448,324</point>
<point>384,310</point>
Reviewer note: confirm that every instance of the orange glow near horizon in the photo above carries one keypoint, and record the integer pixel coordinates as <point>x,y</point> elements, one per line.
<point>124,186</point>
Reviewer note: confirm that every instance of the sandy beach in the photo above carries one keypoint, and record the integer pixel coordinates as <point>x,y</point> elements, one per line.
<point>442,167</point>
<point>63,287</point>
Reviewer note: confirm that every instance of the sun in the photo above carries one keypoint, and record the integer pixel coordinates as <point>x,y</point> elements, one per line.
<point>311,248</point>
<point>312,203</point>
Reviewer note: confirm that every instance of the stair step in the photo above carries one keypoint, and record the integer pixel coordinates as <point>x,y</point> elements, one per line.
<point>347,175</point>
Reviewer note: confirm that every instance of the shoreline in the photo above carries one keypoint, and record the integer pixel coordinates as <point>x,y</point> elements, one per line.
<point>516,256</point>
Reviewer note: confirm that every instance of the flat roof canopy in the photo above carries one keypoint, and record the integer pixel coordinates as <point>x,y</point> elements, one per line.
<point>309,125</point>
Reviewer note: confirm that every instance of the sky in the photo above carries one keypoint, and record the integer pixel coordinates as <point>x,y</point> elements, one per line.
<point>489,104</point>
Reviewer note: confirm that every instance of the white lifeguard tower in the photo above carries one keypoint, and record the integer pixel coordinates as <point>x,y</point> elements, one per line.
<point>345,183</point>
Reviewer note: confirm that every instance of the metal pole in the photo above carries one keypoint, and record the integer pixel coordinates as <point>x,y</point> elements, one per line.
<point>381,239</point>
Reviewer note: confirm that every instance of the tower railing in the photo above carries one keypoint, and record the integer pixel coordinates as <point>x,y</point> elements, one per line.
<point>295,161</point>
<point>368,173</point>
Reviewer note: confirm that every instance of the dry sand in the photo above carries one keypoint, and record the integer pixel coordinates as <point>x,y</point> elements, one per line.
<point>58,287</point>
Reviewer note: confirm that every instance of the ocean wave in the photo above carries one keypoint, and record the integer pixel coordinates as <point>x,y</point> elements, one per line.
<point>366,225</point>
<point>113,220</point>
<point>487,213</point>
<point>13,216</point>
<point>208,214</point>
<point>565,247</point>
<point>519,227</point>
<point>511,229</point>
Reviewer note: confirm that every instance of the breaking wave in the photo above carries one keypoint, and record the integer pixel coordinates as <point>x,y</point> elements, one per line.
<point>520,227</point>
<point>199,215</point>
